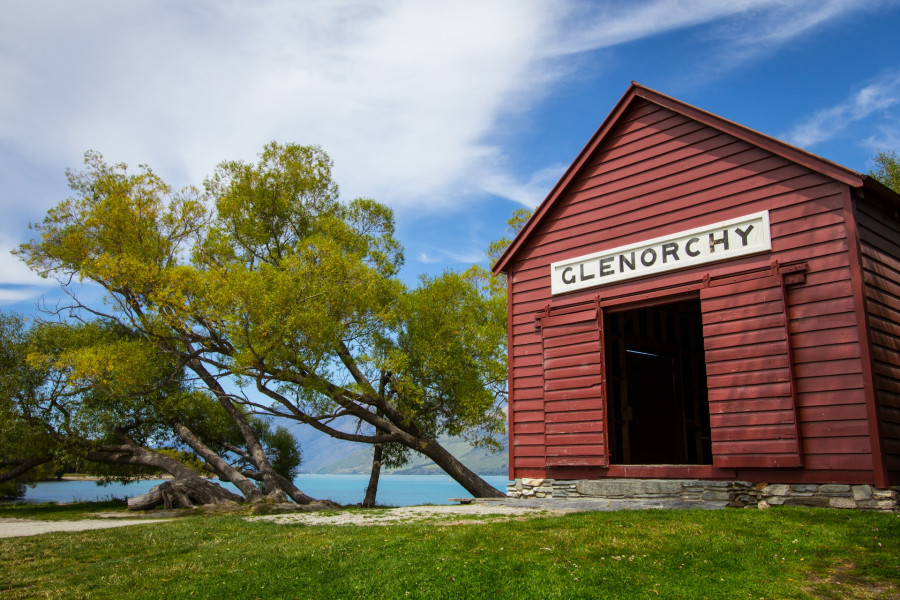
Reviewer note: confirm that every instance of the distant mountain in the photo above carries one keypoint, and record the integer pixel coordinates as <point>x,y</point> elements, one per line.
<point>325,454</point>
<point>479,460</point>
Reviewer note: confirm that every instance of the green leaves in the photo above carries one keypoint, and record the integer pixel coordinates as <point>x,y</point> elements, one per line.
<point>449,356</point>
<point>887,169</point>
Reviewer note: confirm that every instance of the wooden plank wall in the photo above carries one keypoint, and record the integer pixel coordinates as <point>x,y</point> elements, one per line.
<point>880,247</point>
<point>659,172</point>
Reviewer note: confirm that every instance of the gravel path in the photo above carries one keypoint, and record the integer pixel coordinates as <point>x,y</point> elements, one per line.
<point>445,515</point>
<point>22,527</point>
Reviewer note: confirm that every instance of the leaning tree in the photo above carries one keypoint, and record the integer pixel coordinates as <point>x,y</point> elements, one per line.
<point>97,395</point>
<point>279,297</point>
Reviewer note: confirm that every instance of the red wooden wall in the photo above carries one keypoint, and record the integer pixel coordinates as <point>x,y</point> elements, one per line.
<point>880,248</point>
<point>657,172</point>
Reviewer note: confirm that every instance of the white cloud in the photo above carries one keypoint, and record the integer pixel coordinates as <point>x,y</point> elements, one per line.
<point>15,272</point>
<point>15,295</point>
<point>528,194</point>
<point>406,96</point>
<point>887,137</point>
<point>872,99</point>
<point>400,93</point>
<point>611,24</point>
<point>439,255</point>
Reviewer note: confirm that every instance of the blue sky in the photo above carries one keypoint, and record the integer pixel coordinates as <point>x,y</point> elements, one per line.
<point>453,113</point>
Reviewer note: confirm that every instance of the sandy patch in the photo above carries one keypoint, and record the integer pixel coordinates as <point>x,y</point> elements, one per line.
<point>22,527</point>
<point>409,514</point>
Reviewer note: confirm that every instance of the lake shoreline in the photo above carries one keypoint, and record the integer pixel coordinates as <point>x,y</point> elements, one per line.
<point>393,490</point>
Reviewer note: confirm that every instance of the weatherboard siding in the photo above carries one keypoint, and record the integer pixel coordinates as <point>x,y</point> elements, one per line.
<point>656,173</point>
<point>880,247</point>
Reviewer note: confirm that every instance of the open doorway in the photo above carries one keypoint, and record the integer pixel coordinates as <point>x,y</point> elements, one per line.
<point>656,381</point>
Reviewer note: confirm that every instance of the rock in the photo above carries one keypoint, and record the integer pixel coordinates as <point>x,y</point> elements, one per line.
<point>841,503</point>
<point>714,495</point>
<point>778,489</point>
<point>861,492</point>
<point>803,488</point>
<point>817,501</point>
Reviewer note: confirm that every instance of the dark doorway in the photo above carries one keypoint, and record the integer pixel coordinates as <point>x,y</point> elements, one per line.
<point>656,380</point>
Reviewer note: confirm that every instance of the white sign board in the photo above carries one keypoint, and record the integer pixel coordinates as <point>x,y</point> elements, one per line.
<point>711,243</point>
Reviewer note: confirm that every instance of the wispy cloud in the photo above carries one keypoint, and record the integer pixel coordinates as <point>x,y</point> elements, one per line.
<point>609,24</point>
<point>438,255</point>
<point>529,193</point>
<point>870,100</point>
<point>15,295</point>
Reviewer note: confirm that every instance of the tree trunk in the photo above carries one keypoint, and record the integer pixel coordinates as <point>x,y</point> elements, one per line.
<point>273,490</point>
<point>183,493</point>
<point>222,468</point>
<point>467,478</point>
<point>20,467</point>
<point>377,451</point>
<point>191,489</point>
<point>374,475</point>
<point>129,453</point>
<point>287,487</point>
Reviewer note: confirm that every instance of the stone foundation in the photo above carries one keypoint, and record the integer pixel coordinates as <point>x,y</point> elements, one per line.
<point>735,493</point>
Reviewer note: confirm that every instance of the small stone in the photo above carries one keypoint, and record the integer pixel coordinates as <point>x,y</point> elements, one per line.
<point>803,488</point>
<point>862,492</point>
<point>532,482</point>
<point>762,505</point>
<point>778,489</point>
<point>883,494</point>
<point>841,503</point>
<point>830,488</point>
<point>714,495</point>
<point>817,501</point>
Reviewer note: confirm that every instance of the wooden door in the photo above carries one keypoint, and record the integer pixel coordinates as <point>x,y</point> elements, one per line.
<point>574,399</point>
<point>752,394</point>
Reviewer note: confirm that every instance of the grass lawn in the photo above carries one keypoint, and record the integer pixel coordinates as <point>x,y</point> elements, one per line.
<point>729,554</point>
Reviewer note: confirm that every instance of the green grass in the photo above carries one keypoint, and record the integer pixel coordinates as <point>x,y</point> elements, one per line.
<point>728,554</point>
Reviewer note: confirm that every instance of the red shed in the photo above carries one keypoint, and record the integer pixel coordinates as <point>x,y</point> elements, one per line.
<point>695,299</point>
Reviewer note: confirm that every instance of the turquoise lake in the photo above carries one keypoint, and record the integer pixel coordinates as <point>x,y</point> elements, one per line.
<point>393,490</point>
